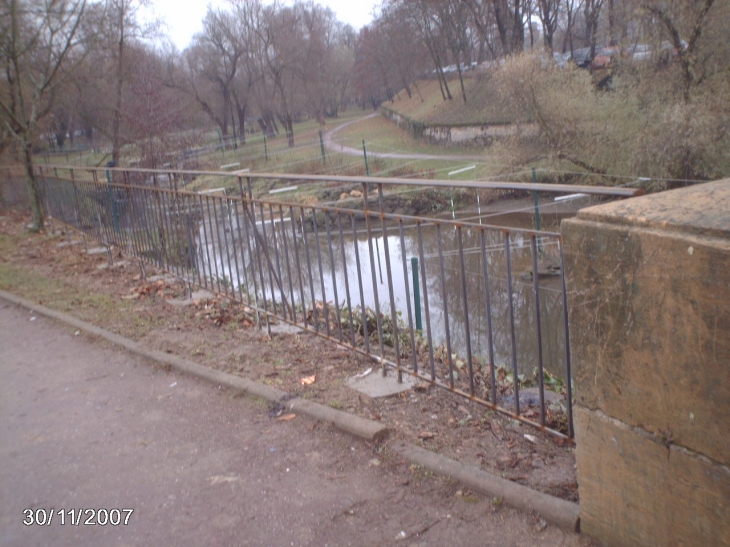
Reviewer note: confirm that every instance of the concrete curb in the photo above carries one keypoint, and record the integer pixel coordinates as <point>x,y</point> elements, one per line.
<point>368,430</point>
<point>555,510</point>
<point>560,512</point>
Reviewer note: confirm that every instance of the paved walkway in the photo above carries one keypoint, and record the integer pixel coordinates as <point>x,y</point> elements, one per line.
<point>84,425</point>
<point>334,146</point>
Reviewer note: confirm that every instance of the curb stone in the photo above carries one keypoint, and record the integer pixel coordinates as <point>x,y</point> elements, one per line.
<point>560,512</point>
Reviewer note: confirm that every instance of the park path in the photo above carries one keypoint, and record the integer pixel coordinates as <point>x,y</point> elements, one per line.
<point>86,425</point>
<point>334,146</point>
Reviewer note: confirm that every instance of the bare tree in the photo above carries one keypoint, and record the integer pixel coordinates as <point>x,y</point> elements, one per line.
<point>39,41</point>
<point>691,16</point>
<point>548,11</point>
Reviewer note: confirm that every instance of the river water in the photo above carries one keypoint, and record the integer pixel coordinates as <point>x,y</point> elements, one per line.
<point>313,265</point>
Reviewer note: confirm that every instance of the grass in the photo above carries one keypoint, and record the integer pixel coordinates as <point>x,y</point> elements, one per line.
<point>482,107</point>
<point>63,295</point>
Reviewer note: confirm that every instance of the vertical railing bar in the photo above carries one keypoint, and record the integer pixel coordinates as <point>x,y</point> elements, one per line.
<point>334,277</point>
<point>490,331</point>
<point>297,261</point>
<point>96,208</point>
<point>568,372</point>
<point>133,235</point>
<point>467,327</point>
<point>247,296</point>
<point>315,311</point>
<point>131,193</point>
<point>214,244</point>
<point>137,236</point>
<point>108,239</point>
<point>252,262</point>
<point>234,248</point>
<point>76,201</point>
<point>538,327</point>
<point>411,327</point>
<point>275,239</point>
<point>446,305</point>
<point>347,280</point>
<point>251,210</point>
<point>246,237</point>
<point>325,307</point>
<point>151,227</point>
<point>516,382</point>
<point>264,248</point>
<point>100,213</point>
<point>426,308</point>
<point>222,227</point>
<point>375,284</point>
<point>363,309</point>
<point>206,275</point>
<point>161,225</point>
<point>217,246</point>
<point>170,265</point>
<point>192,252</point>
<point>391,295</point>
<point>288,263</point>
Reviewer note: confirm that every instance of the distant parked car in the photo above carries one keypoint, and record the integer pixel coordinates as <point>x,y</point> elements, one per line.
<point>605,57</point>
<point>639,52</point>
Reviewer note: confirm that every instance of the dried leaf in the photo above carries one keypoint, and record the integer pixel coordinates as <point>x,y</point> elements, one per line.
<point>286,417</point>
<point>308,380</point>
<point>426,435</point>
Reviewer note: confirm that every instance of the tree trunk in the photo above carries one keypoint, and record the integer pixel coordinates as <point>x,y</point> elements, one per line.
<point>117,122</point>
<point>241,123</point>
<point>34,192</point>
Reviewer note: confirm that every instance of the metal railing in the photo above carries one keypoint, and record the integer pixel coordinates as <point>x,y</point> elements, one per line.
<point>493,299</point>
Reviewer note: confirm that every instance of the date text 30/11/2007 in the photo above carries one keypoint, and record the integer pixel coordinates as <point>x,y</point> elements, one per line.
<point>77,517</point>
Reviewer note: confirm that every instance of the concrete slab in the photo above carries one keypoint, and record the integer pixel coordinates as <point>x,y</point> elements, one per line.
<point>285,328</point>
<point>376,385</point>
<point>201,294</point>
<point>106,266</point>
<point>70,243</point>
<point>163,277</point>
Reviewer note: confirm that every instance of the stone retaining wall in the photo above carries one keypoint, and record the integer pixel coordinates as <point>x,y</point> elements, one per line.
<point>478,134</point>
<point>649,283</point>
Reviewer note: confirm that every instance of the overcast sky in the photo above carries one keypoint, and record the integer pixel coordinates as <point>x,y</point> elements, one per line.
<point>184,17</point>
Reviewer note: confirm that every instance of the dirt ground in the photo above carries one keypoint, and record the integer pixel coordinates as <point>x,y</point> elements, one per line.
<point>223,335</point>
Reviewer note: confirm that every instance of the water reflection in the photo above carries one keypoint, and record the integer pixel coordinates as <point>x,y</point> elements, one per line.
<point>333,260</point>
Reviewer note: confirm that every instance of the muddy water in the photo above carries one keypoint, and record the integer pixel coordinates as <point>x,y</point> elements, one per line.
<point>354,268</point>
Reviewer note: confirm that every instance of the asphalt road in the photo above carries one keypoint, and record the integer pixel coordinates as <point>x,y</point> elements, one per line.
<point>84,425</point>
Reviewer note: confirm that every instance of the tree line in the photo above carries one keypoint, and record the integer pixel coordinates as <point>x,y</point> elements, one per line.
<point>97,70</point>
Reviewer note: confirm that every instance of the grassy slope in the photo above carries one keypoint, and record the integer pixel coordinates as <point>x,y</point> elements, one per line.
<point>428,106</point>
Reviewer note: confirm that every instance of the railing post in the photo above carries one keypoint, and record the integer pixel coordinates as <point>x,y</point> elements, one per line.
<point>365,153</point>
<point>416,293</point>
<point>321,147</point>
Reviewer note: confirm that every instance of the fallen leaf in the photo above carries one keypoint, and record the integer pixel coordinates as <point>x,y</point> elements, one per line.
<point>426,435</point>
<point>308,380</point>
<point>531,438</point>
<point>286,417</point>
